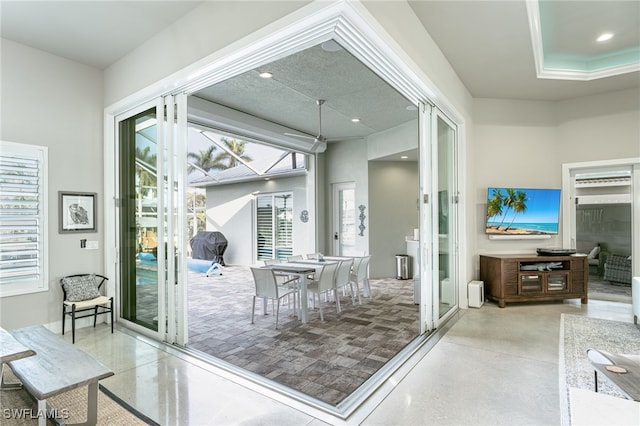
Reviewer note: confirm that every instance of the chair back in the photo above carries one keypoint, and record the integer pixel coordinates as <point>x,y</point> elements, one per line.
<point>296,257</point>
<point>265,282</point>
<point>363,268</point>
<point>268,262</point>
<point>81,280</point>
<point>313,256</point>
<point>327,279</point>
<point>356,265</point>
<point>343,274</point>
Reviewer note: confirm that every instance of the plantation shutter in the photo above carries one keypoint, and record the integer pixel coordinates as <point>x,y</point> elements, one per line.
<point>274,215</point>
<point>284,226</point>
<point>22,224</point>
<point>265,227</point>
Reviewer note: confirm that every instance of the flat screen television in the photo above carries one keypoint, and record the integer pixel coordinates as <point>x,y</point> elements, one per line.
<point>522,211</point>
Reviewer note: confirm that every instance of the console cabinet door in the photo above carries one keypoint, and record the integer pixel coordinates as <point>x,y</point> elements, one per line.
<point>531,283</point>
<point>558,282</point>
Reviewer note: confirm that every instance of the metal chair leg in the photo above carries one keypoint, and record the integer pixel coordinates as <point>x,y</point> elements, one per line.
<point>73,323</point>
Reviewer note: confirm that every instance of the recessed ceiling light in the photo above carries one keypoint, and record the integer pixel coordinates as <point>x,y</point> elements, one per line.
<point>355,120</point>
<point>411,108</point>
<point>266,75</point>
<point>604,37</point>
<point>404,157</point>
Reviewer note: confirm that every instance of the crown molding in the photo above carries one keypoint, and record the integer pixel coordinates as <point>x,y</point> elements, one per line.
<point>549,71</point>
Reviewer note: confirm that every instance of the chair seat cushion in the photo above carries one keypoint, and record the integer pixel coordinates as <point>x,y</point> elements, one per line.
<point>83,287</point>
<point>100,300</point>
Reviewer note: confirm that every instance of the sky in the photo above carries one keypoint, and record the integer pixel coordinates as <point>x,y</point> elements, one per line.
<point>543,205</point>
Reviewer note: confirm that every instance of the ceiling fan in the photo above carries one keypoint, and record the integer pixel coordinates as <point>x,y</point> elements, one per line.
<point>319,141</point>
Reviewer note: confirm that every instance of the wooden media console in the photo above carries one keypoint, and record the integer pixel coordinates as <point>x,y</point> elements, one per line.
<point>529,278</point>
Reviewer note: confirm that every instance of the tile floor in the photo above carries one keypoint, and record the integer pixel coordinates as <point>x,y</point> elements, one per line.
<point>325,359</point>
<point>493,366</point>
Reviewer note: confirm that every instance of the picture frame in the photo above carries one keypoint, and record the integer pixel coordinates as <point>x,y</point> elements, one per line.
<point>77,212</point>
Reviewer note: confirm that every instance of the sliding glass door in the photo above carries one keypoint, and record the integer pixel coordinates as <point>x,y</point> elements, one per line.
<point>446,203</point>
<point>150,213</point>
<point>274,219</point>
<point>139,220</point>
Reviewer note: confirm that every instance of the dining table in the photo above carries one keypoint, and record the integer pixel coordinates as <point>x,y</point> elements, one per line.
<point>302,269</point>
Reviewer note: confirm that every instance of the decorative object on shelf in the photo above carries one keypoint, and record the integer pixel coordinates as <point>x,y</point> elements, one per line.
<point>304,216</point>
<point>77,212</point>
<point>362,217</point>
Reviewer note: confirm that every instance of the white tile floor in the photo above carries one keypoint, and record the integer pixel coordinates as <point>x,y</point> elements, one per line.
<point>494,366</point>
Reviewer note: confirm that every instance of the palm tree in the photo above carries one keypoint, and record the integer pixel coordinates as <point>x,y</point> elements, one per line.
<point>508,201</point>
<point>494,205</point>
<point>235,147</point>
<point>204,160</point>
<point>519,206</point>
<point>145,166</point>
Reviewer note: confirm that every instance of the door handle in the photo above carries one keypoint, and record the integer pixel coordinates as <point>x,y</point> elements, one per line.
<point>336,237</point>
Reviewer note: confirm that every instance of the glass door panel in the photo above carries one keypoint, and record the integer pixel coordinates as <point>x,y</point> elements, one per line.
<point>138,217</point>
<point>274,229</point>
<point>344,235</point>
<point>446,198</point>
<point>530,283</point>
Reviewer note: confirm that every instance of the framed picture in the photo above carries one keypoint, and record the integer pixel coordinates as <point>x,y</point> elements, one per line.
<point>78,212</point>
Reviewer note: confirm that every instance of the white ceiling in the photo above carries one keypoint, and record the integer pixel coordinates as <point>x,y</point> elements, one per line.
<point>488,43</point>
<point>95,33</point>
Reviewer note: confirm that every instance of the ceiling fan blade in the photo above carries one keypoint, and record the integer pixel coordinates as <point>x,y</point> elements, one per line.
<point>295,135</point>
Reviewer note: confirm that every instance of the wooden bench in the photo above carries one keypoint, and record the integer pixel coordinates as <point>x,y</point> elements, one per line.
<point>57,367</point>
<point>11,350</point>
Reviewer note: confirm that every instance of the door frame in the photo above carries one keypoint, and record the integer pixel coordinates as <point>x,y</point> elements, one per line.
<point>569,207</point>
<point>350,24</point>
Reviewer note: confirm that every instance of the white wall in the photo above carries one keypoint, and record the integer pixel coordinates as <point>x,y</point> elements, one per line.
<point>347,162</point>
<point>54,102</point>
<point>525,143</point>
<point>230,210</point>
<point>393,213</point>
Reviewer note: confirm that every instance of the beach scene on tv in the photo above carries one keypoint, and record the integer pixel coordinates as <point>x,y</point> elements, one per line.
<point>522,211</point>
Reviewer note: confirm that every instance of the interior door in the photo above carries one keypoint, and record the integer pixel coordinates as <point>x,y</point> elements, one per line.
<point>344,219</point>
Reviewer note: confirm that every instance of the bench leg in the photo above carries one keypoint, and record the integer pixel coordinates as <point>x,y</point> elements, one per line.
<point>42,412</point>
<point>45,412</point>
<point>92,404</point>
<point>7,386</point>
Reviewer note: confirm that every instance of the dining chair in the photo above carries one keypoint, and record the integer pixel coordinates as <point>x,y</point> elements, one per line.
<point>324,283</point>
<point>361,273</point>
<point>343,279</point>
<point>312,256</point>
<point>267,288</point>
<point>283,278</point>
<point>296,257</point>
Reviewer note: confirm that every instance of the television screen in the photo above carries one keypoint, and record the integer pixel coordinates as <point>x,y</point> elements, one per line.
<point>522,211</point>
